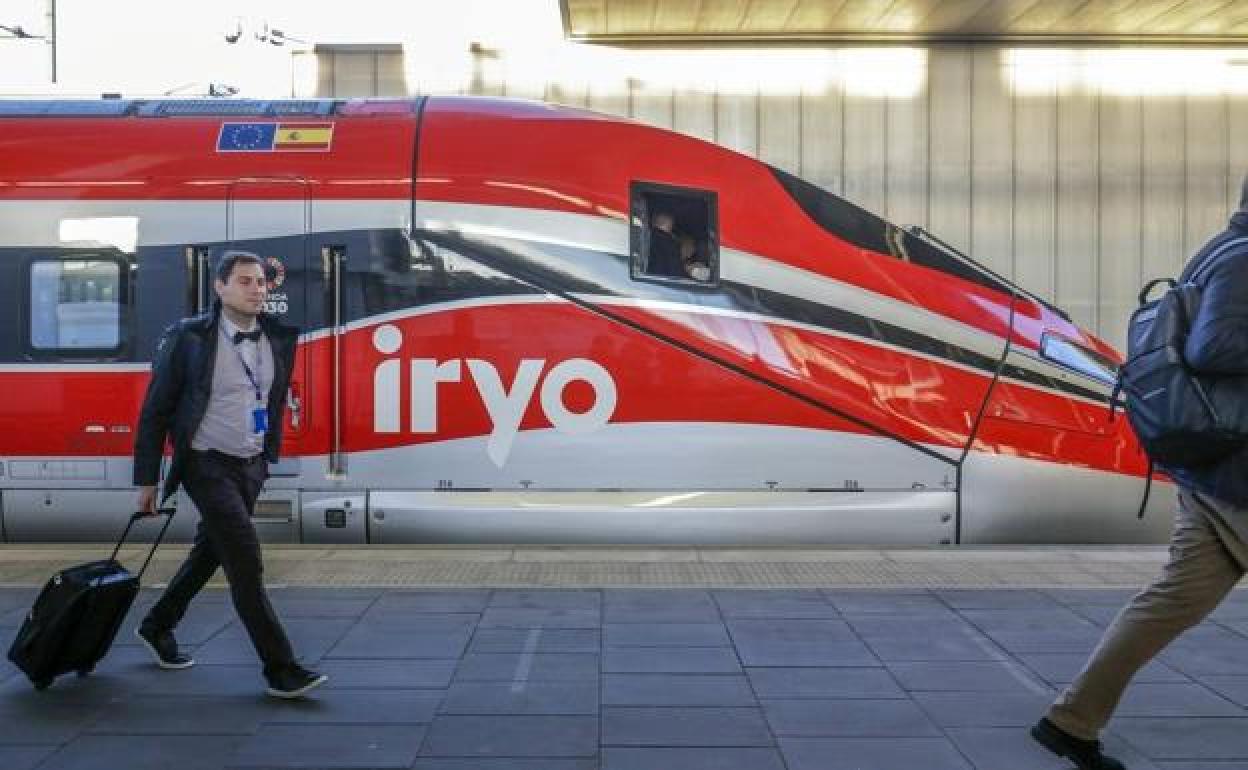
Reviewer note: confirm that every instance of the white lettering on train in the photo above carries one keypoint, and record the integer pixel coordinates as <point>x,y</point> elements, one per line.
<point>505,406</point>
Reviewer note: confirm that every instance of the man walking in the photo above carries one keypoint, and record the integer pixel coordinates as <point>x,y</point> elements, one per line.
<point>1209,546</point>
<point>218,390</point>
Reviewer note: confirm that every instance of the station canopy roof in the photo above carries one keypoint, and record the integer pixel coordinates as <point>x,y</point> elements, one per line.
<point>1064,21</point>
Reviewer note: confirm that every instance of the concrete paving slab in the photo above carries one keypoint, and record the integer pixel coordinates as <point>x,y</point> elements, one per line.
<point>150,752</point>
<point>755,603</point>
<point>1233,688</point>
<point>1208,650</point>
<point>504,763</point>
<point>522,697</point>
<point>872,754</point>
<point>672,727</point>
<point>860,717</point>
<point>202,679</point>
<point>958,644</point>
<point>764,653</point>
<point>365,707</point>
<point>990,599</point>
<point>541,600</point>
<point>419,622</point>
<point>887,602</point>
<point>1176,700</point>
<point>738,758</point>
<point>724,690</point>
<point>546,617</point>
<point>398,603</point>
<point>513,736</point>
<point>317,608</point>
<point>671,660</point>
<point>1074,640</point>
<point>1063,667</point>
<point>1004,747</point>
<point>183,715</point>
<point>381,673</point>
<point>397,642</point>
<point>657,598</point>
<point>39,719</point>
<point>1112,597</point>
<point>524,666</point>
<point>24,757</point>
<point>824,683</point>
<point>1100,615</point>
<point>107,686</point>
<point>964,676</point>
<point>665,635</point>
<point>329,746</point>
<point>536,640</point>
<point>1029,620</point>
<point>983,709</point>
<point>1185,738</point>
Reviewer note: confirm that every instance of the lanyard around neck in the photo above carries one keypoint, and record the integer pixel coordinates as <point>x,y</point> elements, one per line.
<point>251,376</point>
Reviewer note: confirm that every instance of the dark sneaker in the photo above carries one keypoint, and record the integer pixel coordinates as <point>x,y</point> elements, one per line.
<point>164,648</point>
<point>294,681</point>
<point>1085,754</point>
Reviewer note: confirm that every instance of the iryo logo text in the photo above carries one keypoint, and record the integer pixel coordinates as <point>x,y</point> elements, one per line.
<point>504,406</point>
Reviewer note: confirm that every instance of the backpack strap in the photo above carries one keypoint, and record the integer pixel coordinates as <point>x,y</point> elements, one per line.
<point>1148,487</point>
<point>1148,288</point>
<point>1209,261</point>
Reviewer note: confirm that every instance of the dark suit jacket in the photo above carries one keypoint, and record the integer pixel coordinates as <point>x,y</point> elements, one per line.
<point>180,387</point>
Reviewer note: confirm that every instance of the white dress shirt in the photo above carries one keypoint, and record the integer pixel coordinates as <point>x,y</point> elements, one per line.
<point>227,424</point>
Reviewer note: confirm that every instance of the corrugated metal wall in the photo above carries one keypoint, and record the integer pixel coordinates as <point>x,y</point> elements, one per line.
<point>1080,191</point>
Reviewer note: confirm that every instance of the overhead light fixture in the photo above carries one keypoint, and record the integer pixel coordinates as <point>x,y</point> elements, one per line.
<point>234,30</point>
<point>275,36</point>
<point>211,89</point>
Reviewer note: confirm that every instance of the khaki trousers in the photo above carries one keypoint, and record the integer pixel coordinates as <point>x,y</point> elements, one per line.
<point>1207,559</point>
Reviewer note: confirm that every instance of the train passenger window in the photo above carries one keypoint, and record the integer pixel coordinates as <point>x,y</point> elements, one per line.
<point>1072,355</point>
<point>76,305</point>
<point>674,234</point>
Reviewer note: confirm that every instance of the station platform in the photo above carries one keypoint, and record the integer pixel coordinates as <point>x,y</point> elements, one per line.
<point>532,658</point>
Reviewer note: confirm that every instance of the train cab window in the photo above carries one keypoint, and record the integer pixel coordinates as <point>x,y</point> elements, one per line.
<point>674,234</point>
<point>1072,355</point>
<point>76,305</point>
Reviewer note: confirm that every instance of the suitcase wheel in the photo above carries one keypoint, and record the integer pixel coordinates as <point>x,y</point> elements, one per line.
<point>43,684</point>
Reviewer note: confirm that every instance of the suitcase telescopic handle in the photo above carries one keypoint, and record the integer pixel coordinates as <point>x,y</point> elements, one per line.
<point>167,513</point>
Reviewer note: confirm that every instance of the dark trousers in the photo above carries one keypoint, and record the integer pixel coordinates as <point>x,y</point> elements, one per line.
<point>224,489</point>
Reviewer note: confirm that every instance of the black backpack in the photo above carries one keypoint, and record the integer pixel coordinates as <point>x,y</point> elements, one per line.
<point>1182,418</point>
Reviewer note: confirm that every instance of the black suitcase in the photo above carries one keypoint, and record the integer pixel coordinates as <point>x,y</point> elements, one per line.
<point>77,614</point>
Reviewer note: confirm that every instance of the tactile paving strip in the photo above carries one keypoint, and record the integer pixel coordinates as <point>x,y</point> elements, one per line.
<point>648,567</point>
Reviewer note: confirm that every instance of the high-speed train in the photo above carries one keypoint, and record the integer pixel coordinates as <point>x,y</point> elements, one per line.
<point>530,323</point>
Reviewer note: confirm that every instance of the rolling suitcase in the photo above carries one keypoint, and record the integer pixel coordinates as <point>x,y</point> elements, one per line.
<point>77,614</point>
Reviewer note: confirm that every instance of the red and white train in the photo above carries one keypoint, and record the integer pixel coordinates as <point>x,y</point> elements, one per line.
<point>504,339</point>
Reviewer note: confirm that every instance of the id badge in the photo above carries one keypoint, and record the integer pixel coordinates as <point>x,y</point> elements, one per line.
<point>259,420</point>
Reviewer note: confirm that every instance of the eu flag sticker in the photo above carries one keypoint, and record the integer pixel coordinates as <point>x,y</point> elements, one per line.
<point>246,137</point>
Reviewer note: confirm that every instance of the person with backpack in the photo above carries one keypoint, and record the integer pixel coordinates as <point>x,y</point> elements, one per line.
<point>1209,544</point>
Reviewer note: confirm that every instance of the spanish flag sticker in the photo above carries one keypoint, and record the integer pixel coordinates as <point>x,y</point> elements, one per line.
<point>308,137</point>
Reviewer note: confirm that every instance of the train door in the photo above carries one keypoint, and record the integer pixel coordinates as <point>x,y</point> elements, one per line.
<point>337,515</point>
<point>269,218</point>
